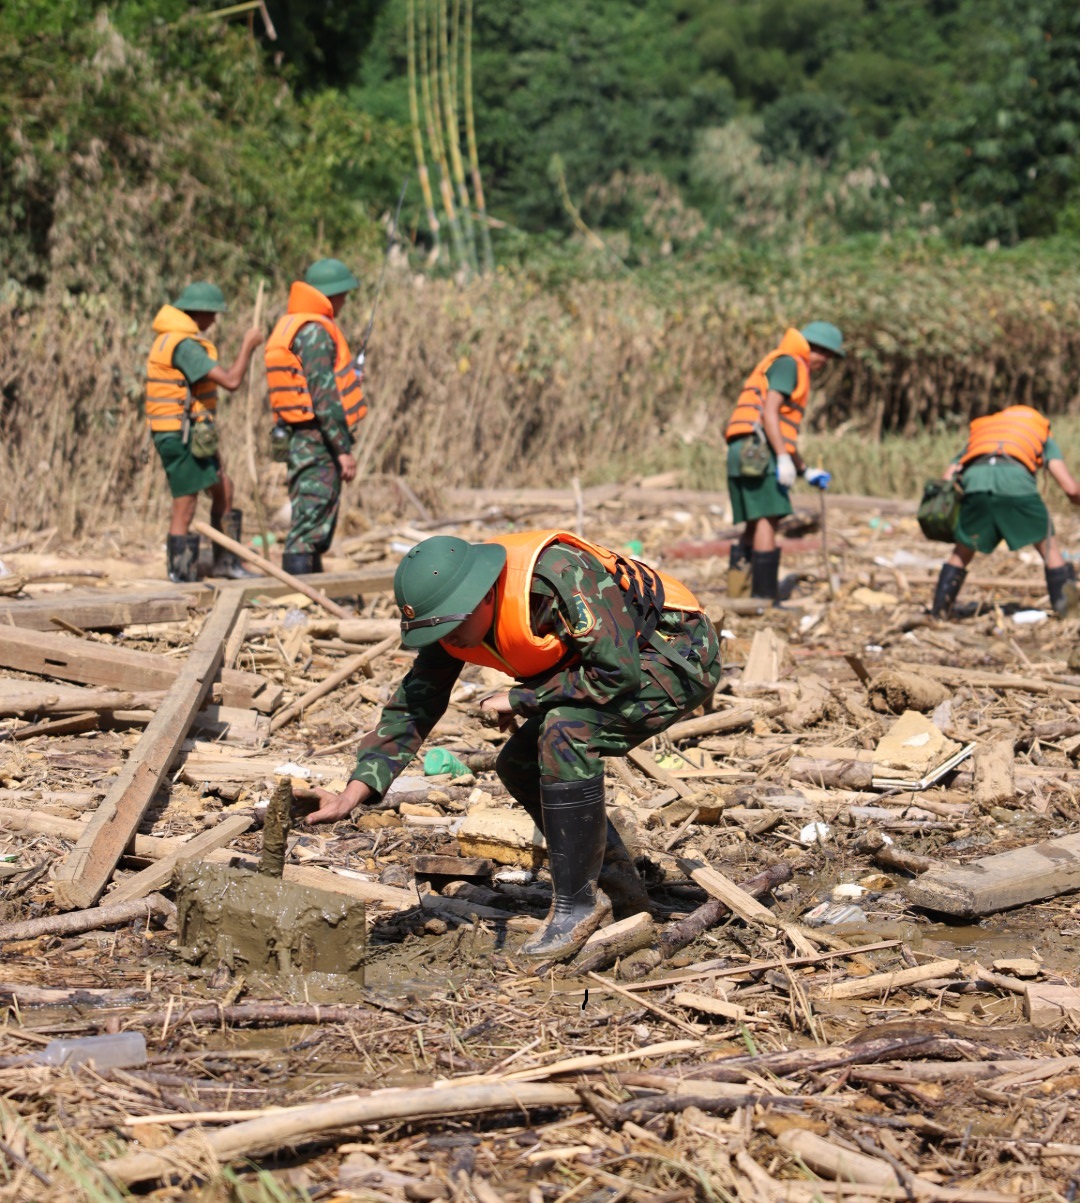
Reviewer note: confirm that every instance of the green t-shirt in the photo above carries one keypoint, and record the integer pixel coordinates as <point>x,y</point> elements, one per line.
<point>782,375</point>
<point>1004,477</point>
<point>191,360</point>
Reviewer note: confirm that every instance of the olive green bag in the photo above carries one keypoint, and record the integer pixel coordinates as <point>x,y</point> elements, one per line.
<point>939,510</point>
<point>203,439</point>
<point>755,454</point>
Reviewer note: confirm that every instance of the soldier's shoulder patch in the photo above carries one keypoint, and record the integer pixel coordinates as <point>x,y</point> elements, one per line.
<point>581,619</point>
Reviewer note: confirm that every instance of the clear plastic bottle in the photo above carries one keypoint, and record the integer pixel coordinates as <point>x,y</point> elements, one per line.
<point>117,1050</point>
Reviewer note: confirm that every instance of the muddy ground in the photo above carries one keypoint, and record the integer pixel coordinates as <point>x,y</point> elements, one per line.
<point>757,1062</point>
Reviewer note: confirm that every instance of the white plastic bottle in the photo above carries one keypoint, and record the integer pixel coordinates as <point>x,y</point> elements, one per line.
<point>117,1050</point>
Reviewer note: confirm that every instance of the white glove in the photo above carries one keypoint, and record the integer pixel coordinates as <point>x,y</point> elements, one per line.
<point>786,471</point>
<point>817,477</point>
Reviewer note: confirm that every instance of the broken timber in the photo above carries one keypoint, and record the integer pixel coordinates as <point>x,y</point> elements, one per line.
<point>97,610</point>
<point>82,875</point>
<point>332,584</point>
<point>91,663</point>
<point>1002,881</point>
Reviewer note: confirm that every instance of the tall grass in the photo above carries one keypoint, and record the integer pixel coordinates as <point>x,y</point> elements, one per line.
<point>506,382</point>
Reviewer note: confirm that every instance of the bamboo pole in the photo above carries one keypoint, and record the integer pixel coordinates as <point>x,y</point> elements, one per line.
<point>473,156</point>
<point>251,448</point>
<point>453,129</point>
<point>417,136</point>
<point>429,89</point>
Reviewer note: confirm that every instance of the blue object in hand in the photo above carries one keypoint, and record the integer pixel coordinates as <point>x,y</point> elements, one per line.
<point>817,477</point>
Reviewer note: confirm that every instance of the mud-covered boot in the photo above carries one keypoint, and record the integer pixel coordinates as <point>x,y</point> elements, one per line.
<point>765,573</point>
<point>298,563</point>
<point>739,581</point>
<point>574,831</point>
<point>226,563</point>
<point>949,582</point>
<point>181,558</point>
<point>1061,584</point>
<point>621,881</point>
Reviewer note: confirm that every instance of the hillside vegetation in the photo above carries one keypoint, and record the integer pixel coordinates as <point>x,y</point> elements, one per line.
<point>146,144</point>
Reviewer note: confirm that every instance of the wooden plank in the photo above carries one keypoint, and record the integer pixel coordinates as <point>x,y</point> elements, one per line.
<point>645,762</point>
<point>332,584</point>
<point>97,610</point>
<point>91,663</point>
<point>1001,881</point>
<point>995,782</point>
<point>764,662</point>
<point>155,876</point>
<point>19,697</point>
<point>66,724</point>
<point>82,875</point>
<point>717,885</point>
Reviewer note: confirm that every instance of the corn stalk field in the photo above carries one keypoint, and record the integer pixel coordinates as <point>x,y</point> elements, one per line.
<point>506,381</point>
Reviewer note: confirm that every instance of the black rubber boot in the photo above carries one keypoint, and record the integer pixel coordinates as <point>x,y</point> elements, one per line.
<point>1061,584</point>
<point>318,566</point>
<point>574,831</point>
<point>619,879</point>
<point>739,580</point>
<point>181,556</point>
<point>949,581</point>
<point>765,573</point>
<point>298,563</point>
<point>226,563</point>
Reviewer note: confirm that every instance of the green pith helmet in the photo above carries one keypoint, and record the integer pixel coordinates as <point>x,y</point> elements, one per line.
<point>825,337</point>
<point>201,297</point>
<point>331,277</point>
<point>440,582</point>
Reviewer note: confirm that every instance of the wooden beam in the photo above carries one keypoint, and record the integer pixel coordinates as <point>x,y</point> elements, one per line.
<point>362,583</point>
<point>155,876</point>
<point>91,663</point>
<point>97,610</point>
<point>82,875</point>
<point>1001,881</point>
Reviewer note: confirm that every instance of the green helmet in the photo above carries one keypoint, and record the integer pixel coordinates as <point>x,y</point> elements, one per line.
<point>440,582</point>
<point>331,277</point>
<point>201,297</point>
<point>824,336</point>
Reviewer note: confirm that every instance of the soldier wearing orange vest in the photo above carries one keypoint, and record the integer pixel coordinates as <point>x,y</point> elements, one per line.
<point>763,462</point>
<point>180,393</point>
<point>605,651</point>
<point>316,393</point>
<point>1001,500</point>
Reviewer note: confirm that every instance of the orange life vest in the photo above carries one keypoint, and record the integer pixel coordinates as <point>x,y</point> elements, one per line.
<point>288,393</point>
<point>512,646</point>
<point>748,413</point>
<point>166,389</point>
<point>1019,431</point>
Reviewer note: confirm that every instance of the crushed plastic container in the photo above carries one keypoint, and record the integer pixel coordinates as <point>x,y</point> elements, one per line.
<point>117,1050</point>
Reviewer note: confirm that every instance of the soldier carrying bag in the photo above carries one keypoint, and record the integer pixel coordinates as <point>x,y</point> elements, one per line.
<point>939,510</point>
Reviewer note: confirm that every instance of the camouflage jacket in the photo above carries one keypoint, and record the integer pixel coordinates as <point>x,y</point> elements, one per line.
<point>588,614</point>
<point>317,354</point>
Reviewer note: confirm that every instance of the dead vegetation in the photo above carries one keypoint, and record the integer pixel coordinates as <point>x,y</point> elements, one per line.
<point>823,1000</point>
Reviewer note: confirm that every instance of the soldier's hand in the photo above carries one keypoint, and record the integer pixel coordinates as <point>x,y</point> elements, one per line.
<point>252,340</point>
<point>496,708</point>
<point>347,466</point>
<point>338,806</point>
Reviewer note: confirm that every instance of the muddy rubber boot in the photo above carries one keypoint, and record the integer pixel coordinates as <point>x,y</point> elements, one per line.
<point>226,563</point>
<point>949,581</point>
<point>181,558</point>
<point>298,563</point>
<point>621,881</point>
<point>738,583</point>
<point>574,831</point>
<point>765,573</point>
<point>1061,584</point>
